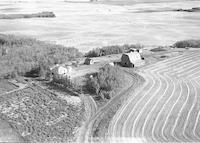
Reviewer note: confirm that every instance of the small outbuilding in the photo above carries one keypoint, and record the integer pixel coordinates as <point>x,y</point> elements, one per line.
<point>130,59</point>
<point>112,64</point>
<point>89,61</point>
<point>60,71</point>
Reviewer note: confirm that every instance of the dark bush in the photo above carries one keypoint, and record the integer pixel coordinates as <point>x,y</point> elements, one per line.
<point>105,81</point>
<point>187,43</point>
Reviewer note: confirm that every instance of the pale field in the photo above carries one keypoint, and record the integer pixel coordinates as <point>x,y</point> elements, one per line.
<point>7,134</point>
<point>86,25</point>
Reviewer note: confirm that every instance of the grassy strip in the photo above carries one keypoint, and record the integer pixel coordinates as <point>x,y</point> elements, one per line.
<point>101,126</point>
<point>30,57</point>
<point>35,15</point>
<point>158,49</point>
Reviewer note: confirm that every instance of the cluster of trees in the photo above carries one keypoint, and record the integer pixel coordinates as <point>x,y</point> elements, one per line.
<point>17,16</point>
<point>105,82</point>
<point>30,57</point>
<point>187,43</point>
<point>108,50</point>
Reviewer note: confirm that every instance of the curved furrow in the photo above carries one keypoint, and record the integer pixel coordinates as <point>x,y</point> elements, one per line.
<point>116,121</point>
<point>174,66</point>
<point>183,69</point>
<point>182,121</point>
<point>178,125</point>
<point>197,126</point>
<point>148,107</point>
<point>137,107</point>
<point>88,136</point>
<point>196,129</point>
<point>148,122</point>
<point>192,115</point>
<point>170,60</point>
<point>158,114</point>
<point>171,67</point>
<point>194,76</point>
<point>197,80</point>
<point>163,116</point>
<point>167,109</point>
<point>119,123</point>
<point>188,75</point>
<point>151,118</point>
<point>116,125</point>
<point>167,117</point>
<point>123,118</point>
<point>180,70</point>
<point>128,91</point>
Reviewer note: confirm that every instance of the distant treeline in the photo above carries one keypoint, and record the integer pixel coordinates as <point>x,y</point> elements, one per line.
<point>17,16</point>
<point>187,44</point>
<point>30,57</point>
<point>195,9</point>
<point>108,50</point>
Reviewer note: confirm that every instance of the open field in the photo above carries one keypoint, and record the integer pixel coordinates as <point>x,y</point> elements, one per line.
<point>88,25</point>
<point>166,109</point>
<point>6,86</point>
<point>7,134</point>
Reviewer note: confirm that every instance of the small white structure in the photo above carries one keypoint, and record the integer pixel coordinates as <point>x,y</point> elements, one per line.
<point>111,64</point>
<point>59,71</point>
<point>130,59</point>
<point>91,76</point>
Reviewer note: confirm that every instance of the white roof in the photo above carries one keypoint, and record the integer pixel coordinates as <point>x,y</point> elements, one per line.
<point>61,69</point>
<point>133,56</point>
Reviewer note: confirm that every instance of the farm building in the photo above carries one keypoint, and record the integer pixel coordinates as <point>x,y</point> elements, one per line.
<point>133,50</point>
<point>59,71</point>
<point>130,59</point>
<point>89,61</point>
<point>112,64</point>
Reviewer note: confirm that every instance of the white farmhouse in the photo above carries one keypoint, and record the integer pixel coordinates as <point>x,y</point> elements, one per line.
<point>59,71</point>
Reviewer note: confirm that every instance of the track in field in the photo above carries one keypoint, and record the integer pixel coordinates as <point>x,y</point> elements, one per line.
<point>167,107</point>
